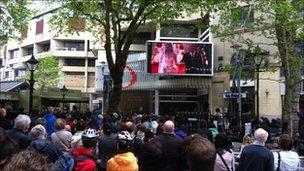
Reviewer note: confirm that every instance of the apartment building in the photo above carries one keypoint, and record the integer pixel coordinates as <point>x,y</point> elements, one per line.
<point>73,52</point>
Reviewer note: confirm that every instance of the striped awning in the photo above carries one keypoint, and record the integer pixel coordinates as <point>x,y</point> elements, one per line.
<point>191,82</point>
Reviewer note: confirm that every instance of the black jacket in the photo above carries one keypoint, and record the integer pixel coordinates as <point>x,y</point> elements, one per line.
<point>19,137</point>
<point>172,146</point>
<point>107,146</point>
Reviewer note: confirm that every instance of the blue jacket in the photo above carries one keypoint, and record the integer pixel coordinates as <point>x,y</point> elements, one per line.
<point>50,120</point>
<point>47,148</point>
<point>256,158</point>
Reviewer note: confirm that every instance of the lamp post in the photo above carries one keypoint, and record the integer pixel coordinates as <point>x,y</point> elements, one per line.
<point>63,91</point>
<point>258,62</point>
<point>31,64</point>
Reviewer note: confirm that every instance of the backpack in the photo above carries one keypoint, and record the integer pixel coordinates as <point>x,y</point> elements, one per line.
<point>64,163</point>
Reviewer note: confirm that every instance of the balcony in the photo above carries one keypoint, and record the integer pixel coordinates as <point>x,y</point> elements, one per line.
<point>69,52</point>
<point>73,69</point>
<point>75,82</point>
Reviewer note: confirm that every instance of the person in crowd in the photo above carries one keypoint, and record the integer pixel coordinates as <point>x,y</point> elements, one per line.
<point>61,138</point>
<point>286,159</point>
<point>140,134</point>
<point>154,123</point>
<point>151,156</point>
<point>124,159</point>
<point>192,60</point>
<point>257,157</point>
<point>50,120</point>
<point>137,142</point>
<point>4,122</point>
<point>213,131</point>
<point>8,148</point>
<point>247,140</point>
<point>181,132</point>
<point>224,157</point>
<point>28,160</point>
<point>186,143</point>
<point>149,135</point>
<point>159,129</point>
<point>201,155</point>
<point>172,146</point>
<point>145,121</point>
<point>107,146</point>
<point>18,133</point>
<point>203,130</point>
<point>76,138</point>
<point>39,142</point>
<point>83,155</point>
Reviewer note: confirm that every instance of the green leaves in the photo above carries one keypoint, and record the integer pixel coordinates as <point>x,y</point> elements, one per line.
<point>14,16</point>
<point>47,73</point>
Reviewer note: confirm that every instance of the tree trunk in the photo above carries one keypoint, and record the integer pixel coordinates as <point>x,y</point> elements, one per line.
<point>286,47</point>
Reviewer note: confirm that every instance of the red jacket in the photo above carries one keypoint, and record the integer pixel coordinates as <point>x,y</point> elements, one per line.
<point>86,164</point>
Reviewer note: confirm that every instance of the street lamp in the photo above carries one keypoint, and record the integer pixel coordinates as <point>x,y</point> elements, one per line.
<point>63,91</point>
<point>31,65</point>
<point>258,61</point>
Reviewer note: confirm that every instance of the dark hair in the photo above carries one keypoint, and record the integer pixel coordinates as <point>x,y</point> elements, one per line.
<point>89,143</point>
<point>222,142</point>
<point>148,135</point>
<point>159,129</point>
<point>29,160</point>
<point>203,124</point>
<point>107,128</point>
<point>201,155</point>
<point>285,142</point>
<point>151,156</point>
<point>80,125</point>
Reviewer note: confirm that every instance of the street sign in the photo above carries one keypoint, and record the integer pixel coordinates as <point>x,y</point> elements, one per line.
<point>233,95</point>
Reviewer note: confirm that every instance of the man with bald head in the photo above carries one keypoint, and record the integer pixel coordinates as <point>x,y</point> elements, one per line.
<point>257,157</point>
<point>172,146</point>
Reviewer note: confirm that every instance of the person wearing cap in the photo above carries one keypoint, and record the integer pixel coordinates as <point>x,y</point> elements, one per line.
<point>256,157</point>
<point>124,160</point>
<point>83,155</point>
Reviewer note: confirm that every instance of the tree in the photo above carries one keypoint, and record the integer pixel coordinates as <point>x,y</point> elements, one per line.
<point>14,16</point>
<point>47,73</point>
<point>278,20</point>
<point>116,22</point>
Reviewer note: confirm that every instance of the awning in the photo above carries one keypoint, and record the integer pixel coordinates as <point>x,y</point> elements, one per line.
<point>8,86</point>
<point>9,96</point>
<point>67,100</point>
<point>191,82</point>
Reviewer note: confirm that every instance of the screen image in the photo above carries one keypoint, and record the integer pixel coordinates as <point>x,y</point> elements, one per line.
<point>179,58</point>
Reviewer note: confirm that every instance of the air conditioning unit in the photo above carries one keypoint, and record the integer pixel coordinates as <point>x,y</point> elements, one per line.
<point>73,49</point>
<point>65,48</point>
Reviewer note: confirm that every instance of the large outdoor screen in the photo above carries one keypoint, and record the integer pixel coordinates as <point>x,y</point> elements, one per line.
<point>180,58</point>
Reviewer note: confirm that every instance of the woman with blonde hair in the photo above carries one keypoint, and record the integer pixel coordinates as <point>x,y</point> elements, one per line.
<point>246,141</point>
<point>61,138</point>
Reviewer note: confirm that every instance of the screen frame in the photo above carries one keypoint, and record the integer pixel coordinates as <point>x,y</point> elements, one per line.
<point>149,56</point>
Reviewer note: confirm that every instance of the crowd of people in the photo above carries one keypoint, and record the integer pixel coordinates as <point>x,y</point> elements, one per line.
<point>129,143</point>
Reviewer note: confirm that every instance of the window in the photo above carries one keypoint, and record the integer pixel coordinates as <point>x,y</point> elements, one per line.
<point>141,37</point>
<point>91,63</point>
<point>46,48</point>
<point>14,54</point>
<point>91,73</point>
<point>39,27</point>
<point>74,45</point>
<point>74,73</point>
<point>7,74</point>
<point>74,62</point>
<point>179,30</point>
